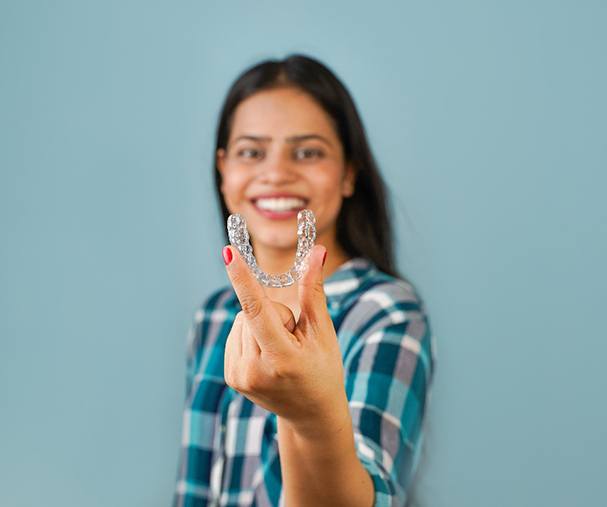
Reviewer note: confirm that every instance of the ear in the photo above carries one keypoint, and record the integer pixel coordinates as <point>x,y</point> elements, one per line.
<point>349,181</point>
<point>220,159</point>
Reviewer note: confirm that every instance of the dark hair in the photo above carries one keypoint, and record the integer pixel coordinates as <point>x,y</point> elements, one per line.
<point>363,225</point>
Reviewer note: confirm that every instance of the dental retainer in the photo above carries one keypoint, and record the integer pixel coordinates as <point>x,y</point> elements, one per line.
<point>306,234</point>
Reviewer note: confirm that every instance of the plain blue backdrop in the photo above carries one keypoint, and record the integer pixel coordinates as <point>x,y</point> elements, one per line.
<point>488,120</point>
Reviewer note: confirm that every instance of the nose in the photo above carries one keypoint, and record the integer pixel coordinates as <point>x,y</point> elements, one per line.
<point>278,168</point>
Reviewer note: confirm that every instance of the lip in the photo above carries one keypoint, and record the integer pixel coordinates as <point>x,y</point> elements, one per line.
<point>278,215</point>
<point>279,194</point>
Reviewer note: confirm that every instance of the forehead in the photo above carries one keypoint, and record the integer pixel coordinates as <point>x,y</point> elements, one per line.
<point>281,112</point>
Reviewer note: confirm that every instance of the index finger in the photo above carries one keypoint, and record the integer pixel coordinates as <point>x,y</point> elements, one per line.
<point>264,321</point>
<point>248,290</point>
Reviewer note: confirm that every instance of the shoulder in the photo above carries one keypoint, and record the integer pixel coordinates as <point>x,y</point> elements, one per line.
<point>387,292</point>
<point>387,329</point>
<point>385,313</point>
<point>382,300</point>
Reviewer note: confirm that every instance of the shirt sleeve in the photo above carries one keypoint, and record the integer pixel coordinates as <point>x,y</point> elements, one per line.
<point>192,345</point>
<point>388,371</point>
<point>186,489</point>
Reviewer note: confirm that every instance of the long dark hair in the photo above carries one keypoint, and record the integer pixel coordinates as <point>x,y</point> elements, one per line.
<point>363,225</point>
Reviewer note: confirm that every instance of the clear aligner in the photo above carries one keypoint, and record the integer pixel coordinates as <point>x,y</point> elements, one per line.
<point>306,234</point>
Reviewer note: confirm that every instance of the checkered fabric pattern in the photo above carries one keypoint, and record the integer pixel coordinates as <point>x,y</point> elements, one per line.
<point>229,452</point>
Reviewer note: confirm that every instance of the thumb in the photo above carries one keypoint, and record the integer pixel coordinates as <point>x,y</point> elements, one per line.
<point>311,291</point>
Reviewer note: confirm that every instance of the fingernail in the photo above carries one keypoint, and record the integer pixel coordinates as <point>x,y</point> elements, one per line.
<point>324,257</point>
<point>227,255</point>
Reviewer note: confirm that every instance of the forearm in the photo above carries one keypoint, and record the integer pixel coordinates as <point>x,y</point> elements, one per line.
<point>320,466</point>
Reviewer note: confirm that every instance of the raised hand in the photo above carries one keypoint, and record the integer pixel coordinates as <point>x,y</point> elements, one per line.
<point>292,369</point>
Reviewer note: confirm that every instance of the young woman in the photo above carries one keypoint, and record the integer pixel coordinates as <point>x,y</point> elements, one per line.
<point>314,394</point>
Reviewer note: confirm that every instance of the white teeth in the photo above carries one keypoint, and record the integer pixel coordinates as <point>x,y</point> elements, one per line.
<point>280,203</point>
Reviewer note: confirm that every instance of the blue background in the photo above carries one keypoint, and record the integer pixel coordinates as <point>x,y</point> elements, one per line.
<point>489,122</point>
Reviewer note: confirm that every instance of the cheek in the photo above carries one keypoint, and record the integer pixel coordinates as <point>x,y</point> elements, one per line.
<point>233,186</point>
<point>327,198</point>
<point>328,189</point>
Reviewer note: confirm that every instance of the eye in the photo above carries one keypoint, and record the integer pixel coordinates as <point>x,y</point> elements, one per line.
<point>308,153</point>
<point>249,153</point>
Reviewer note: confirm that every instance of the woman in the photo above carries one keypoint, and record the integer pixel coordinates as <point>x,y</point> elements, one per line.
<point>313,394</point>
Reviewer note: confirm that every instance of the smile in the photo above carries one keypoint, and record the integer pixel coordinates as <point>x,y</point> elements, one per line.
<point>279,207</point>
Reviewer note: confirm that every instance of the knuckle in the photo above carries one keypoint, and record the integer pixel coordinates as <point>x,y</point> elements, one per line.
<point>231,374</point>
<point>319,290</point>
<point>236,380</point>
<point>229,378</point>
<point>252,380</point>
<point>251,307</point>
<point>282,371</point>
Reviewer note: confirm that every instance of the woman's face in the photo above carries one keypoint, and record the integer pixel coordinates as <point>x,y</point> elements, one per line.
<point>283,155</point>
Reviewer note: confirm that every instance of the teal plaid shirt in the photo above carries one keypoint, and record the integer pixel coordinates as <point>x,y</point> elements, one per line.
<point>229,451</point>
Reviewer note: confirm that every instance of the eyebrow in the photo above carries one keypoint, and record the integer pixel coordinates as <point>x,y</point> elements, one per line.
<point>292,139</point>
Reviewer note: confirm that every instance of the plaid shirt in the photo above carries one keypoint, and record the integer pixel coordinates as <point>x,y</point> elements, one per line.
<point>229,451</point>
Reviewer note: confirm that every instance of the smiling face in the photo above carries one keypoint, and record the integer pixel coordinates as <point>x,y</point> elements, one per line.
<point>283,154</point>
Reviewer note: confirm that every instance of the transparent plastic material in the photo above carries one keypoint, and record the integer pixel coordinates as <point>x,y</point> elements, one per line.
<point>306,234</point>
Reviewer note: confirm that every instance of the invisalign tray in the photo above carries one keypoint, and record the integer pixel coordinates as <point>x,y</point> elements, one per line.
<point>306,234</point>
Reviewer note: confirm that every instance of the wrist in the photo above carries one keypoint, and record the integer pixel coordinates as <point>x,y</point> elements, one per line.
<point>320,424</point>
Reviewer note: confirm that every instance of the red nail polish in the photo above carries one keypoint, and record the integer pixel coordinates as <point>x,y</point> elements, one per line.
<point>227,255</point>
<point>324,257</point>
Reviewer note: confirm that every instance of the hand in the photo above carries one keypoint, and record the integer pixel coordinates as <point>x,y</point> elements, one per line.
<point>293,369</point>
